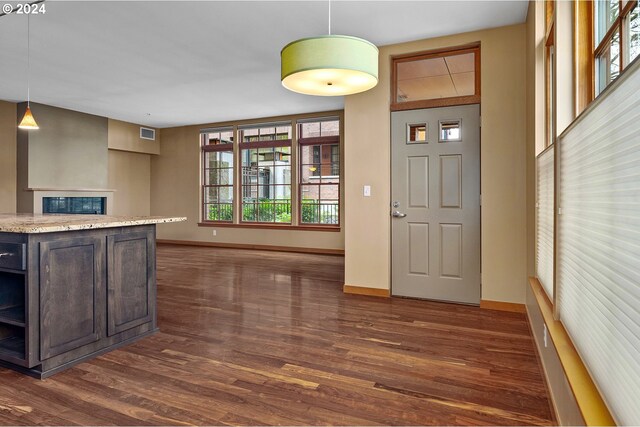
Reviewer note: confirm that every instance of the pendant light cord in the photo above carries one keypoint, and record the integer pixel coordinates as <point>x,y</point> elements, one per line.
<point>329,17</point>
<point>28,59</point>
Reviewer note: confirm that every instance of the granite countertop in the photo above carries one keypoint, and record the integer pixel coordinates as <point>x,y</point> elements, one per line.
<point>38,223</point>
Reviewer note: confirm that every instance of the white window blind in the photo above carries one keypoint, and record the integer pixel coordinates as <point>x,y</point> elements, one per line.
<point>544,220</point>
<point>598,289</point>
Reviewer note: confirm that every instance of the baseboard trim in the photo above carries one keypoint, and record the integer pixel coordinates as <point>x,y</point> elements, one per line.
<point>359,290</point>
<point>590,402</point>
<point>317,251</point>
<point>503,306</point>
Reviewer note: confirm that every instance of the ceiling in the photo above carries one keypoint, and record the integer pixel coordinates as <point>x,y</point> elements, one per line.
<point>169,63</point>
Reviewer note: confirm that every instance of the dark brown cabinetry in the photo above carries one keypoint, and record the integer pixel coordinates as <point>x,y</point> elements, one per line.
<point>13,256</point>
<point>129,281</point>
<point>69,296</point>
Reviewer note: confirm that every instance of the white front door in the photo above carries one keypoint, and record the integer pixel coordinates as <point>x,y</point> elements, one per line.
<point>435,173</point>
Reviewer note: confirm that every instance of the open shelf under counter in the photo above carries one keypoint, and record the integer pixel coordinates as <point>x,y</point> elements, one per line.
<point>12,298</point>
<point>13,315</point>
<point>12,341</point>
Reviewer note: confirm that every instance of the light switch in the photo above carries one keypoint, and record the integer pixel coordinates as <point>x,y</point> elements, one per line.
<point>366,191</point>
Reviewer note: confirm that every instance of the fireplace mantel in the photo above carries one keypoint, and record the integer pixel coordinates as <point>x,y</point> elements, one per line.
<point>84,190</point>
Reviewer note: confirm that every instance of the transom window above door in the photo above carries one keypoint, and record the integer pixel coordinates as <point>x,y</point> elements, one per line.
<point>436,79</point>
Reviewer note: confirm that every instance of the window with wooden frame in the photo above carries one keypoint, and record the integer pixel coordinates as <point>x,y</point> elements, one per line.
<point>436,78</point>
<point>319,173</point>
<point>265,153</point>
<point>616,29</point>
<point>550,73</point>
<point>273,173</point>
<point>217,170</point>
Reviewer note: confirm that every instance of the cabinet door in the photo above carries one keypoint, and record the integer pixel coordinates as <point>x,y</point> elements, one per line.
<point>71,294</point>
<point>130,280</point>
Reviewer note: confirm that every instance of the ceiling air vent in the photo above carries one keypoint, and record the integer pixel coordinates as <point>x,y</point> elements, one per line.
<point>148,133</point>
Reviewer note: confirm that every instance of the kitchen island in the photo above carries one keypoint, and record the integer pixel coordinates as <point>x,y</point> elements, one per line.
<point>73,287</point>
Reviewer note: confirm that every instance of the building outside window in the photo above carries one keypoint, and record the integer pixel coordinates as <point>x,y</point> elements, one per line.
<point>217,188</point>
<point>284,173</point>
<point>265,152</point>
<point>319,142</point>
<point>617,39</point>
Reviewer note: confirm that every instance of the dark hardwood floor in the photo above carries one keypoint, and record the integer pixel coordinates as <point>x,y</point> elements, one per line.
<point>250,337</point>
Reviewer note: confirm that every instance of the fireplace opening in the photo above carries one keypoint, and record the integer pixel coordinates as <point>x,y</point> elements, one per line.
<point>74,205</point>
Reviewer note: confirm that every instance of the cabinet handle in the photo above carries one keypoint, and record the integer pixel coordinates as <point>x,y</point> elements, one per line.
<point>5,254</point>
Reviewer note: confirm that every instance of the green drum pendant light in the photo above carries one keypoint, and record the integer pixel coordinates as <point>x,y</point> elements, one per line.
<point>330,65</point>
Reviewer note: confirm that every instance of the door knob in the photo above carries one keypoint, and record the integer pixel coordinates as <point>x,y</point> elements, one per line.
<point>397,214</point>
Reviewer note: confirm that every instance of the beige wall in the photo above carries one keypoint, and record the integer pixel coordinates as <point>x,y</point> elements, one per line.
<point>565,96</point>
<point>126,137</point>
<point>8,126</point>
<point>24,199</point>
<point>503,171</point>
<point>130,167</point>
<point>175,190</point>
<point>535,118</point>
<point>130,177</point>
<point>68,151</point>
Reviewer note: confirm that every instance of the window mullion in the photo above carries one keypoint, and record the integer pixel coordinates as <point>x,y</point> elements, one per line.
<point>621,16</point>
<point>622,43</point>
<point>237,177</point>
<point>607,37</point>
<point>295,184</point>
<point>625,12</point>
